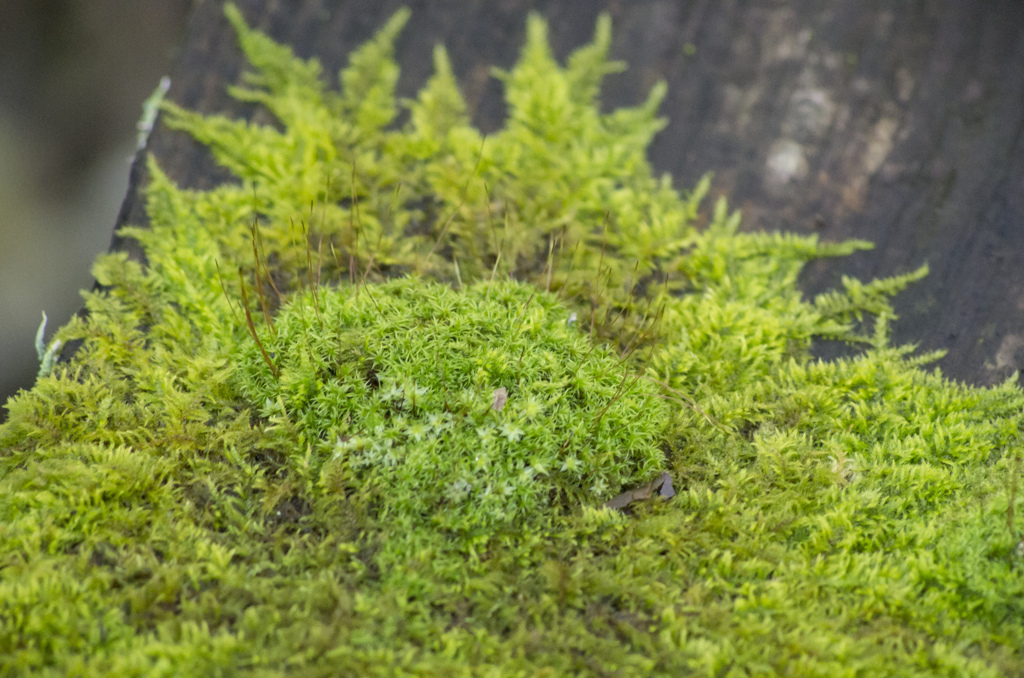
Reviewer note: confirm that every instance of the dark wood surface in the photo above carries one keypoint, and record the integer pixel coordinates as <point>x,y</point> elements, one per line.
<point>900,123</point>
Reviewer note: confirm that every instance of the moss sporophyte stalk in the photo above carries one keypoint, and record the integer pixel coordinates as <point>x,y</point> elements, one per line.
<point>360,411</point>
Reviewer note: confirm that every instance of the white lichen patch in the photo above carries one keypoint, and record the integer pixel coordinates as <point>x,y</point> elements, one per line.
<point>786,165</point>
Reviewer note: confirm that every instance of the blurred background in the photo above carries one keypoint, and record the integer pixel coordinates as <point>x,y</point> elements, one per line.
<point>73,77</point>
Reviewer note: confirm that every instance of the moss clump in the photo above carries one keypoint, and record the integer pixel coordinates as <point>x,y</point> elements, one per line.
<point>470,412</point>
<point>175,502</point>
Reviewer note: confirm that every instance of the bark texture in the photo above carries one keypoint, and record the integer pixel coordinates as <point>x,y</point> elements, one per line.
<point>899,123</point>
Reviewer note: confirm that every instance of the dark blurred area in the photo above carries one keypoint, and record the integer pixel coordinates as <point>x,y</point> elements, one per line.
<point>73,77</point>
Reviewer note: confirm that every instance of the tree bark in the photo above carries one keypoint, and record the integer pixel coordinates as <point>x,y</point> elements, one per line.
<point>899,123</point>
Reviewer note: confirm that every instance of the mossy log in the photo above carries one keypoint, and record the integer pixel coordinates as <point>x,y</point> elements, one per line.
<point>334,465</point>
<point>898,124</point>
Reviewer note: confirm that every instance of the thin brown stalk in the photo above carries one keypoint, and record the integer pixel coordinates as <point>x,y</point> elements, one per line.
<point>1015,474</point>
<point>597,279</point>
<point>319,259</point>
<point>686,400</point>
<point>620,391</point>
<point>494,270</point>
<point>490,217</point>
<point>254,232</point>
<point>550,263</point>
<point>622,311</point>
<point>458,275</point>
<point>519,319</point>
<point>580,363</point>
<point>334,254</point>
<point>370,263</point>
<point>313,288</point>
<point>352,229</point>
<point>561,251</point>
<point>227,296</point>
<point>444,229</point>
<point>639,336</point>
<point>252,326</point>
<point>566,443</point>
<point>568,274</point>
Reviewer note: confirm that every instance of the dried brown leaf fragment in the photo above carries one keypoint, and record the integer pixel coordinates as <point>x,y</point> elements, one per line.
<point>500,398</point>
<point>662,485</point>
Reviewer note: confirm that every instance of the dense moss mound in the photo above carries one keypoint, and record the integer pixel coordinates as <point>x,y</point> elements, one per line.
<point>373,452</point>
<point>466,411</point>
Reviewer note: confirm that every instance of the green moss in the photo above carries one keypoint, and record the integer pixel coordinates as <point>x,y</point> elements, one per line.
<point>473,412</point>
<point>282,446</point>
